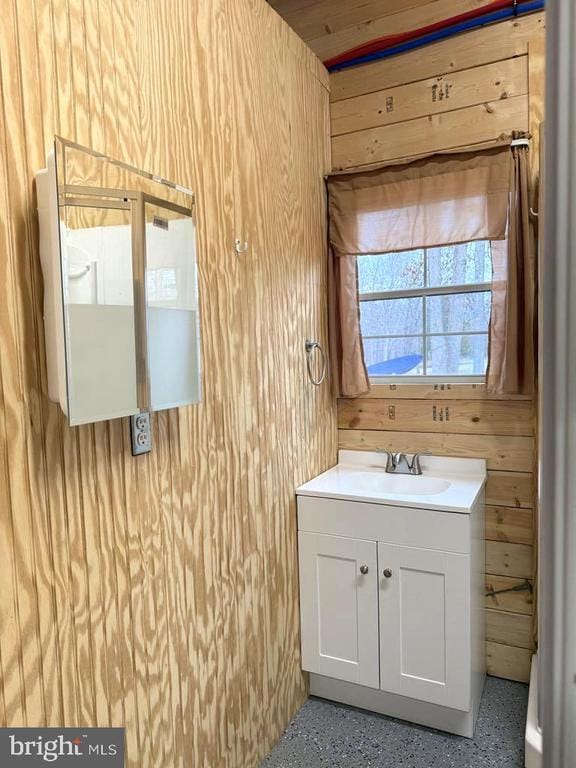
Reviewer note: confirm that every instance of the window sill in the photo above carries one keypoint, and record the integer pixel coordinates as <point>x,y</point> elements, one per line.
<point>425,380</point>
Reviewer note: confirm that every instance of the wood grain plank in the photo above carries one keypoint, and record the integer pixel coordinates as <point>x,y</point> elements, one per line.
<point>32,614</point>
<point>108,83</point>
<point>11,650</point>
<point>441,93</point>
<point>253,282</point>
<point>90,565</point>
<point>44,582</point>
<point>504,559</point>
<point>536,105</point>
<point>510,488</point>
<point>434,133</point>
<point>513,629</point>
<point>471,49</point>
<point>508,661</point>
<point>513,601</point>
<point>510,524</point>
<point>291,43</point>
<point>125,590</point>
<point>501,452</point>
<point>457,417</point>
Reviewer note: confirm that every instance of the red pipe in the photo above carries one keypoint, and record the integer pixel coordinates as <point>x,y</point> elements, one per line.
<point>382,43</point>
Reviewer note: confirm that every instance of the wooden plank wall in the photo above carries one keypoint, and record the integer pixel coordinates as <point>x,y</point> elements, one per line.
<point>160,592</point>
<point>462,91</point>
<point>467,90</point>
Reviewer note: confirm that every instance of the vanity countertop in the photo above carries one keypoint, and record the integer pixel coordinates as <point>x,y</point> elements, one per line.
<point>449,484</point>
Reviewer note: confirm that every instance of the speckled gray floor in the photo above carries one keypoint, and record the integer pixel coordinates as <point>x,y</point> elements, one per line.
<point>327,734</point>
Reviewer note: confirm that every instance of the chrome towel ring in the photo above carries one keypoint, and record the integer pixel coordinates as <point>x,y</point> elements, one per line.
<point>310,346</point>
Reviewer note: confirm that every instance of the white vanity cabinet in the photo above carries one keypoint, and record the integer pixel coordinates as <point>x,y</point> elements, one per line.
<point>391,601</point>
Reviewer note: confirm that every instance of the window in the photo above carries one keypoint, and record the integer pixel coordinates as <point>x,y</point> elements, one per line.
<point>426,312</point>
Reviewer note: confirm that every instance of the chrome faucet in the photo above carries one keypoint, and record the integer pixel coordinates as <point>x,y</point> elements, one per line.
<point>399,463</point>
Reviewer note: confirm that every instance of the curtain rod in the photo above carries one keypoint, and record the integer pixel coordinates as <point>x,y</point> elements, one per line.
<point>502,142</point>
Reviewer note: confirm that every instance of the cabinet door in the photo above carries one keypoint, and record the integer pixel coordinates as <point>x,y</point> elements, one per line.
<point>339,607</point>
<point>425,624</point>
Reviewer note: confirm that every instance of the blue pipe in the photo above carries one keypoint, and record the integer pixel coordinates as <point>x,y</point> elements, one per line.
<point>443,34</point>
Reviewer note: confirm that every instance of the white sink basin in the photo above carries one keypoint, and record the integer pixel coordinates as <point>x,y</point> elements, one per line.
<point>449,484</point>
<point>413,485</point>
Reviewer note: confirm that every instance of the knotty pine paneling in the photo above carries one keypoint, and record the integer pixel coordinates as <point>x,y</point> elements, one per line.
<point>506,524</point>
<point>507,599</point>
<point>497,42</point>
<point>513,488</point>
<point>160,592</point>
<point>437,131</point>
<point>502,452</point>
<point>506,559</point>
<point>508,661</point>
<point>508,628</point>
<point>467,88</point>
<point>462,417</point>
<point>390,109</point>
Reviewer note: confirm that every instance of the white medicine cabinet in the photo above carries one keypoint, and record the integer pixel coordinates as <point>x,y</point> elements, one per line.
<point>118,254</point>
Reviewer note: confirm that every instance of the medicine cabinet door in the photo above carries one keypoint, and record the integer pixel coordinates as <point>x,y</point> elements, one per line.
<point>173,338</point>
<point>99,315</point>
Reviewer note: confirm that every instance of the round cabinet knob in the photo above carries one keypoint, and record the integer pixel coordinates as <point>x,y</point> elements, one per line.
<point>387,573</point>
<point>364,570</point>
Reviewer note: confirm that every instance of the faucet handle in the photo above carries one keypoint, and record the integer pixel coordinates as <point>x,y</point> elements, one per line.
<point>415,466</point>
<point>390,460</point>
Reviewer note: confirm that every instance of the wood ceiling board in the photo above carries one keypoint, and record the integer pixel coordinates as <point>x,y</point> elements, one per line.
<point>328,45</point>
<point>316,19</point>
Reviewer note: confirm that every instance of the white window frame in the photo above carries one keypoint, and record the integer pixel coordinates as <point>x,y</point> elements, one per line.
<point>416,293</point>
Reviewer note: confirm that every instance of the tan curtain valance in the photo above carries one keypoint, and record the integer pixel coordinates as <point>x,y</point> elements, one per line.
<point>444,199</point>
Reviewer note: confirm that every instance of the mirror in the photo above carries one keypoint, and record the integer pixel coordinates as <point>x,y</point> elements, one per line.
<point>99,313</point>
<point>121,297</point>
<point>172,306</point>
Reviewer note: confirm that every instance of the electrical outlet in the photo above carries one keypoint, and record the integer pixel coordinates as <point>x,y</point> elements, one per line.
<point>141,430</point>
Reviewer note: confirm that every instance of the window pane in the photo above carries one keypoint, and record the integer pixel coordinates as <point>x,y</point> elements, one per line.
<point>394,357</point>
<point>463,264</point>
<point>391,271</point>
<point>456,355</point>
<point>458,313</point>
<point>391,317</point>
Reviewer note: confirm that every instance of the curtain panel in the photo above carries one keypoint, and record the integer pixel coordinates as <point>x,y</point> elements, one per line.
<point>440,200</point>
<point>513,333</point>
